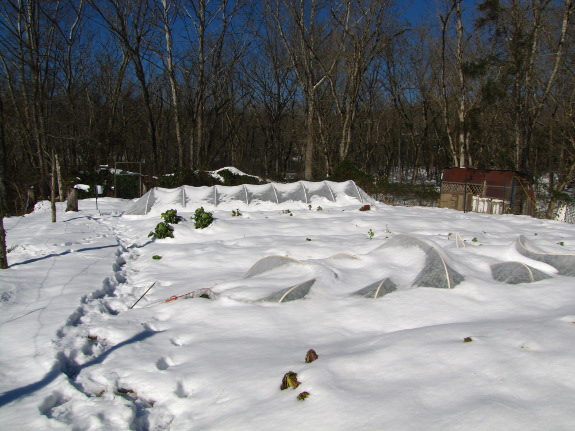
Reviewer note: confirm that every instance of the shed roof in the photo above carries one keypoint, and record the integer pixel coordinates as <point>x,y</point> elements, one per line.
<point>479,176</point>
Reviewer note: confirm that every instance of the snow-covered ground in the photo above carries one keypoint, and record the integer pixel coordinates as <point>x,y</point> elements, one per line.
<point>75,355</point>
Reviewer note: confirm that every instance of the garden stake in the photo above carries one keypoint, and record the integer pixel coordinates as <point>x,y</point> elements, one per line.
<point>143,295</point>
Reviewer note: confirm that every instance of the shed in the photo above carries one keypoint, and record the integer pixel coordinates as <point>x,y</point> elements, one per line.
<point>486,191</point>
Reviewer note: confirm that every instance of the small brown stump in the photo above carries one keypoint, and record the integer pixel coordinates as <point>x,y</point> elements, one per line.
<point>72,204</point>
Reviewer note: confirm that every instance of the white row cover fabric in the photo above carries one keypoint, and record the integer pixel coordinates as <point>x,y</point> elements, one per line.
<point>299,291</point>
<point>284,279</point>
<point>564,263</point>
<point>377,289</point>
<point>516,273</point>
<point>436,271</point>
<point>269,264</point>
<point>271,272</point>
<point>301,193</point>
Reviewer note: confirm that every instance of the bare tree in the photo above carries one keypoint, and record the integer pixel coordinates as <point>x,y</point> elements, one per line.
<point>562,122</point>
<point>304,34</point>
<point>29,37</point>
<point>271,80</point>
<point>455,130</point>
<point>71,59</point>
<point>363,29</point>
<point>3,251</point>
<point>168,14</point>
<point>407,81</point>
<point>517,28</point>
<point>217,39</point>
<point>130,21</point>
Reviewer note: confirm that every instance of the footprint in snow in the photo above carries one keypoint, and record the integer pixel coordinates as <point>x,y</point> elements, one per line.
<point>164,363</point>
<point>176,341</point>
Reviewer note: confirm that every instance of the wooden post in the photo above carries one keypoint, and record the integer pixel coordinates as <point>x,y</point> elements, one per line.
<point>30,200</point>
<point>72,204</point>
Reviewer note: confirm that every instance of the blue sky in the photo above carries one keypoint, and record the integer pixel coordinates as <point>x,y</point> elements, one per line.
<point>417,10</point>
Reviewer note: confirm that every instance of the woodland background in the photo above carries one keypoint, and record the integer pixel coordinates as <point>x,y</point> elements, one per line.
<point>284,88</point>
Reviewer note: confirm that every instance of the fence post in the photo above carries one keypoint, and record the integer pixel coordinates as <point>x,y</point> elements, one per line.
<point>465,197</point>
<point>512,198</point>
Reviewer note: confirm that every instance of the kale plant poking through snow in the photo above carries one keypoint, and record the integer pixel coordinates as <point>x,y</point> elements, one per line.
<point>202,219</point>
<point>289,380</point>
<point>303,395</point>
<point>171,216</point>
<point>162,230</point>
<point>311,356</point>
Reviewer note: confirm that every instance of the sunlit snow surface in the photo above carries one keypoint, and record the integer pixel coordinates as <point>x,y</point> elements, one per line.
<point>75,355</point>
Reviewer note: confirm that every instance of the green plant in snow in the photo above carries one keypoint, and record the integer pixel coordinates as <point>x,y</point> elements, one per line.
<point>171,216</point>
<point>289,381</point>
<point>370,234</point>
<point>156,257</point>
<point>309,207</point>
<point>163,230</point>
<point>303,395</point>
<point>236,213</point>
<point>287,212</point>
<point>319,208</point>
<point>202,219</point>
<point>467,340</point>
<point>561,243</point>
<point>308,239</point>
<point>311,356</point>
<point>474,239</point>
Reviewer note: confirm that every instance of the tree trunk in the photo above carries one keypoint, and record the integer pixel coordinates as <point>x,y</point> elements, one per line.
<point>53,188</point>
<point>59,178</point>
<point>444,92</point>
<point>141,75</point>
<point>462,135</point>
<point>3,252</point>
<point>172,77</point>
<point>72,204</point>
<point>345,140</point>
<point>309,142</point>
<point>30,200</point>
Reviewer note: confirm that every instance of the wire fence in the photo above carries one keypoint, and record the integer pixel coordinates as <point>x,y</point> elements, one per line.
<point>487,198</point>
<point>566,213</point>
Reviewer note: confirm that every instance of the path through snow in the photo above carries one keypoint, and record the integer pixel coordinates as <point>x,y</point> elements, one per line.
<point>58,271</point>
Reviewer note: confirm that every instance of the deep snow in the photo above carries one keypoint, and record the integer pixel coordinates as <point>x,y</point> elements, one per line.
<point>75,356</point>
